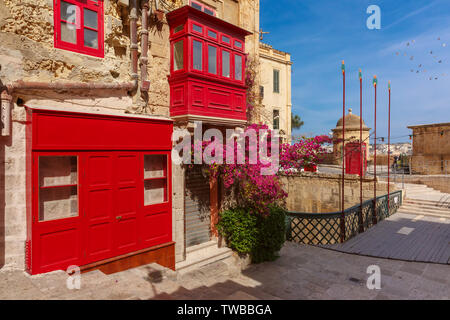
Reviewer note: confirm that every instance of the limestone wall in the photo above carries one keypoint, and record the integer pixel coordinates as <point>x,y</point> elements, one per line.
<point>431,149</point>
<point>321,192</point>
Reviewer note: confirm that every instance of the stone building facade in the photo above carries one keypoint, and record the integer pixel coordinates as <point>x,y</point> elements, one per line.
<point>275,89</point>
<point>431,148</point>
<point>126,81</point>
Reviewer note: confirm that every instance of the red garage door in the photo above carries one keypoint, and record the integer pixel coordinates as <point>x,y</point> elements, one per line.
<point>94,205</point>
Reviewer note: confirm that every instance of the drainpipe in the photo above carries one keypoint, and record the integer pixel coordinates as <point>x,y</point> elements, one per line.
<point>6,102</point>
<point>30,85</point>
<point>145,84</point>
<point>133,40</point>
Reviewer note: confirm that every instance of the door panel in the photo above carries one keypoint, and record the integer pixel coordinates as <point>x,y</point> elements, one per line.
<point>99,206</point>
<point>126,202</point>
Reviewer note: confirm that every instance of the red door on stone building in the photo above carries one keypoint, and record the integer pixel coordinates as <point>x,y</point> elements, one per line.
<point>353,155</point>
<point>98,200</point>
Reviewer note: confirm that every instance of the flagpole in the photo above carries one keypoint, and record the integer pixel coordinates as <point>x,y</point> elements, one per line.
<point>361,226</point>
<point>343,154</point>
<point>389,141</point>
<point>374,217</point>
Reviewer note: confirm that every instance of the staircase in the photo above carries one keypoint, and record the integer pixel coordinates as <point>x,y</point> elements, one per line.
<point>423,200</point>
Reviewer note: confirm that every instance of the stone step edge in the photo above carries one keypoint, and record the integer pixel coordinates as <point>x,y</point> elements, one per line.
<point>427,206</point>
<point>423,214</point>
<point>201,246</point>
<point>187,266</point>
<point>422,211</point>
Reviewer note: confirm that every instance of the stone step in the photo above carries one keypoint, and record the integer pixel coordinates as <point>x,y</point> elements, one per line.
<point>426,206</point>
<point>421,209</point>
<point>426,202</point>
<point>203,255</point>
<point>400,210</point>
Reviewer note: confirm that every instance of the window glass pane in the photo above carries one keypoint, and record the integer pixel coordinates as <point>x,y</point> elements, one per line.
<point>154,166</point>
<point>197,28</point>
<point>155,191</point>
<point>197,55</point>
<point>58,203</point>
<point>238,44</point>
<point>178,58</point>
<point>196,6</point>
<point>57,170</point>
<point>58,190</point>
<point>68,32</point>
<point>226,64</point>
<point>212,34</point>
<point>225,39</point>
<point>69,12</point>
<point>212,59</point>
<point>237,67</point>
<point>90,18</point>
<point>208,11</point>
<point>179,28</point>
<point>276,81</point>
<point>91,38</point>
<point>276,119</point>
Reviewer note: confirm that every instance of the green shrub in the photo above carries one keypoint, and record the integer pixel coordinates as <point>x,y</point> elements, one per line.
<point>260,236</point>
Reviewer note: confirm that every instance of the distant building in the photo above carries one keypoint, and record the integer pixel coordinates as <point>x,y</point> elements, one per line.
<point>275,89</point>
<point>352,125</point>
<point>431,148</point>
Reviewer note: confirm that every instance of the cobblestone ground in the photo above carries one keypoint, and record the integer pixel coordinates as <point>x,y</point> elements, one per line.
<point>301,272</point>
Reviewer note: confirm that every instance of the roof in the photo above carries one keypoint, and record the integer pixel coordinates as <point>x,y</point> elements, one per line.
<point>192,12</point>
<point>352,121</point>
<point>443,124</point>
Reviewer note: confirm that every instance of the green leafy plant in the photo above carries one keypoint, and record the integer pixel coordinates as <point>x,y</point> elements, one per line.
<point>260,236</point>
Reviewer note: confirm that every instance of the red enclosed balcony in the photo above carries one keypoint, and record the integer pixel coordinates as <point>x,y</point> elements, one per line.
<point>207,68</point>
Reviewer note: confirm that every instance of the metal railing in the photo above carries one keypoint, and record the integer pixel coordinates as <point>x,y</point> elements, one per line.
<point>326,228</point>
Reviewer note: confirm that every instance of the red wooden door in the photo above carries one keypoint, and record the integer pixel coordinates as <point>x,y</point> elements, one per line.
<point>127,200</point>
<point>98,210</point>
<point>112,198</point>
<point>97,205</point>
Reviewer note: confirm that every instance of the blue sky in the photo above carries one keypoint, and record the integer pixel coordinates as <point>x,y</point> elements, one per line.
<point>320,33</point>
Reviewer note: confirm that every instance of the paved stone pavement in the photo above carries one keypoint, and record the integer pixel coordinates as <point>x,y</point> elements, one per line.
<point>301,272</point>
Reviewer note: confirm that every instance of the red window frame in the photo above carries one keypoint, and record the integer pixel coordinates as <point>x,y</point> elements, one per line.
<point>241,48</point>
<point>203,53</point>
<point>230,40</point>
<point>172,57</point>
<point>79,47</point>
<point>208,44</point>
<point>193,25</point>
<point>231,64</point>
<point>203,7</point>
<point>242,66</point>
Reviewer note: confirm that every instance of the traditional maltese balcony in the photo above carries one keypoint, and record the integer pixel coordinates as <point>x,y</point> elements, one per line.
<point>207,68</point>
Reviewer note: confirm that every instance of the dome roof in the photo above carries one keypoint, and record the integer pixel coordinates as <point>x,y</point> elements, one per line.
<point>351,122</point>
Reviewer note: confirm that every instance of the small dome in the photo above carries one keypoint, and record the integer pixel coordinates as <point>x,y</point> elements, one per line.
<point>351,122</point>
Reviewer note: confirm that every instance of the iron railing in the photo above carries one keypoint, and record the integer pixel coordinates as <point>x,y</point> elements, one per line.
<point>326,228</point>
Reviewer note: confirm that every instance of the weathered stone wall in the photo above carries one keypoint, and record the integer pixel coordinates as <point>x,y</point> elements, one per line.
<point>431,149</point>
<point>321,192</point>
<point>437,182</point>
<point>12,194</point>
